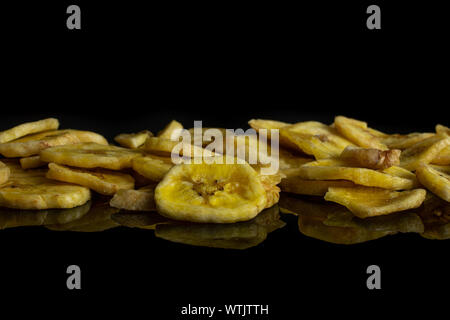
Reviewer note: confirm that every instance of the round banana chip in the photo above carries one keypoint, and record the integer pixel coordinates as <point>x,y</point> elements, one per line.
<point>30,190</point>
<point>135,200</point>
<point>211,192</point>
<point>4,173</point>
<point>436,181</point>
<point>28,128</point>
<point>152,167</point>
<point>33,144</point>
<point>102,181</point>
<point>91,155</point>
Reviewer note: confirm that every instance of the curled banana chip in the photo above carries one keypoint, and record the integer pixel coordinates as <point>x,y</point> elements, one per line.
<point>91,155</point>
<point>135,200</point>
<point>4,173</point>
<point>370,158</point>
<point>211,192</point>
<point>359,133</point>
<point>152,167</point>
<point>424,151</point>
<point>133,140</point>
<point>32,162</point>
<point>172,131</point>
<point>86,136</point>
<point>315,138</point>
<point>436,181</point>
<point>366,202</point>
<point>28,128</point>
<point>404,141</point>
<point>311,187</point>
<point>442,129</point>
<point>103,181</point>
<point>12,218</point>
<point>31,190</point>
<point>32,144</point>
<point>269,183</point>
<point>443,158</point>
<point>393,178</point>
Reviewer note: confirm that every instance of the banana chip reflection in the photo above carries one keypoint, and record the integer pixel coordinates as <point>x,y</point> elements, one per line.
<point>241,235</point>
<point>141,220</point>
<point>11,218</point>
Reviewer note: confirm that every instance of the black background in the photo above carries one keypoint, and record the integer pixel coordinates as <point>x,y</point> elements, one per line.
<point>135,66</point>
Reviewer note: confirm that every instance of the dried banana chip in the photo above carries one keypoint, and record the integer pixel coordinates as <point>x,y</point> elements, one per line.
<point>28,128</point>
<point>31,190</point>
<point>165,147</point>
<point>444,169</point>
<point>287,160</point>
<point>315,138</point>
<point>33,144</point>
<point>370,158</point>
<point>87,136</point>
<point>141,220</point>
<point>172,131</point>
<point>133,140</point>
<point>359,133</point>
<point>404,141</point>
<point>436,181</point>
<point>443,158</point>
<point>91,155</point>
<point>366,202</point>
<point>4,173</point>
<point>97,219</point>
<point>207,135</point>
<point>311,187</point>
<point>135,200</point>
<point>103,181</point>
<point>211,192</point>
<point>269,125</point>
<point>424,151</point>
<point>12,218</point>
<point>442,129</point>
<point>32,162</point>
<point>152,167</point>
<point>393,178</point>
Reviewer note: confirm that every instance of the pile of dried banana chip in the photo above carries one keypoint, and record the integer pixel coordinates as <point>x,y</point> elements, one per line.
<point>368,172</point>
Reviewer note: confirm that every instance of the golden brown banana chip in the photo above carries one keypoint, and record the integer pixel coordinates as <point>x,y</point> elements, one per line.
<point>32,144</point>
<point>442,129</point>
<point>103,181</point>
<point>436,181</point>
<point>135,200</point>
<point>315,138</point>
<point>366,202</point>
<point>141,220</point>
<point>172,131</point>
<point>133,140</point>
<point>28,128</point>
<point>32,162</point>
<point>4,173</point>
<point>359,133</point>
<point>152,167</point>
<point>311,187</point>
<point>91,155</point>
<point>443,158</point>
<point>31,190</point>
<point>424,151</point>
<point>12,218</point>
<point>403,141</point>
<point>393,178</point>
<point>444,169</point>
<point>97,219</point>
<point>370,158</point>
<point>87,136</point>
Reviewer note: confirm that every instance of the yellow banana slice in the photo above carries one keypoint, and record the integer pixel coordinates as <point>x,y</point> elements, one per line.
<point>207,135</point>
<point>32,162</point>
<point>442,129</point>
<point>443,158</point>
<point>393,178</point>
<point>359,133</point>
<point>32,144</point>
<point>103,181</point>
<point>152,167</point>
<point>91,155</point>
<point>133,140</point>
<point>404,141</point>
<point>12,218</point>
<point>135,200</point>
<point>370,158</point>
<point>31,190</point>
<point>287,160</point>
<point>436,181</point>
<point>269,125</point>
<point>164,147</point>
<point>87,136</point>
<point>315,138</point>
<point>4,173</point>
<point>444,169</point>
<point>424,151</point>
<point>28,128</point>
<point>211,192</point>
<point>366,202</point>
<point>172,131</point>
